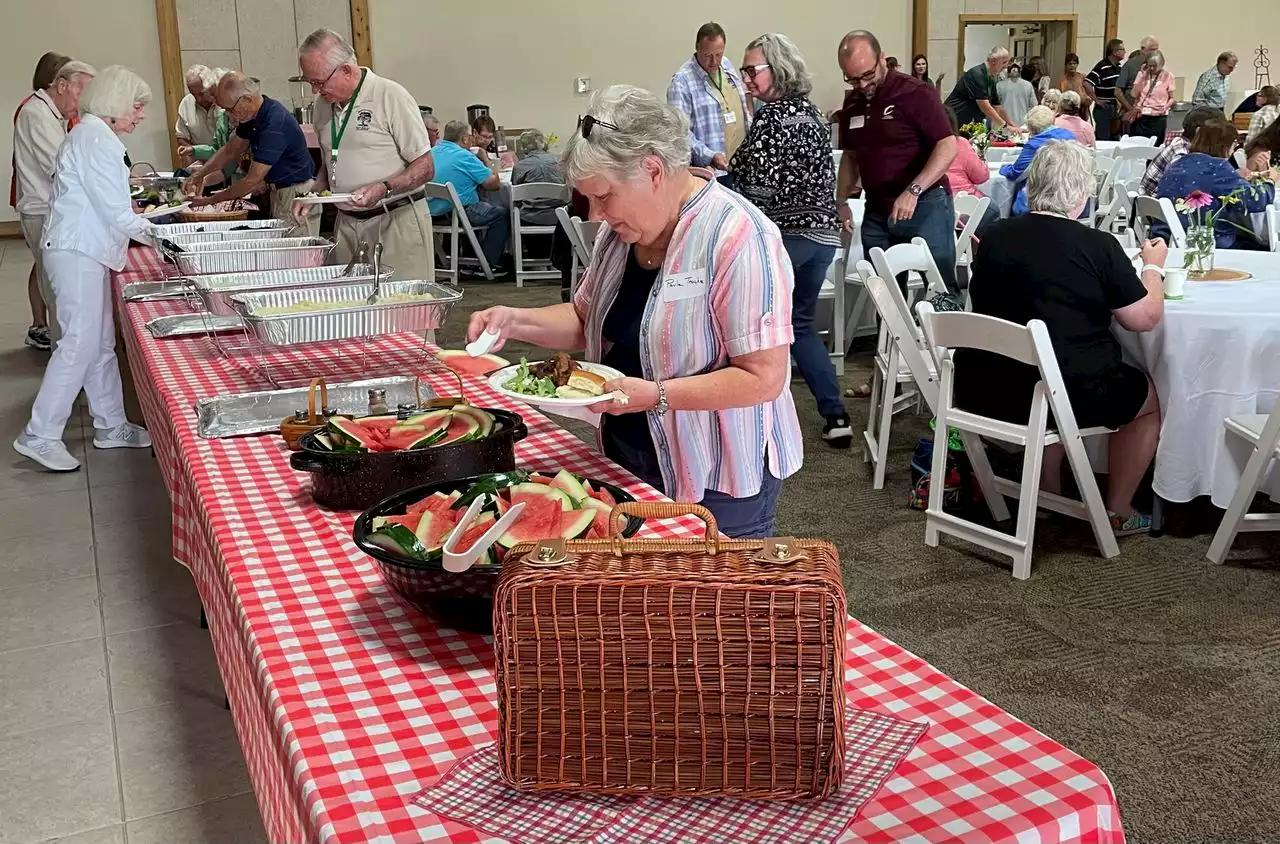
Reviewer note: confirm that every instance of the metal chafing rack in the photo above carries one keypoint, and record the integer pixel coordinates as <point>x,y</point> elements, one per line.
<point>361,319</point>
<point>216,290</point>
<point>242,256</point>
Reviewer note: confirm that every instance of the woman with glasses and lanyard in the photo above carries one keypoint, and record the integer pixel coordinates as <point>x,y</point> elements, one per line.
<point>689,295</point>
<point>784,166</point>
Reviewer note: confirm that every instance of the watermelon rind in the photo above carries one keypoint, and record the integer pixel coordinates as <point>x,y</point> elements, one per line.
<point>566,503</point>
<point>429,438</point>
<point>576,523</point>
<point>398,539</point>
<point>427,419</point>
<point>483,418</point>
<point>469,434</point>
<point>568,482</point>
<point>352,432</point>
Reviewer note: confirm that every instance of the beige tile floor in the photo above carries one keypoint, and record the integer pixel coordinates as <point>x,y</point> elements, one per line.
<point>111,721</point>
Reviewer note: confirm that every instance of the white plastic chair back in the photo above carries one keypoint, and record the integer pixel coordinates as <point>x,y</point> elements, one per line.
<point>1029,344</point>
<point>1136,141</point>
<point>524,193</point>
<point>906,334</point>
<point>1273,229</point>
<point>1263,431</point>
<point>972,208</point>
<point>912,257</point>
<point>1238,159</point>
<point>459,223</point>
<point>1146,208</point>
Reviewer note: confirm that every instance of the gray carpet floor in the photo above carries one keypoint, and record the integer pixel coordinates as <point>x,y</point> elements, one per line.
<point>1158,666</point>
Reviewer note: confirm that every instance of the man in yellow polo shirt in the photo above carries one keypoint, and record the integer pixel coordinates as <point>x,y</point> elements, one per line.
<point>374,145</point>
<point>711,94</point>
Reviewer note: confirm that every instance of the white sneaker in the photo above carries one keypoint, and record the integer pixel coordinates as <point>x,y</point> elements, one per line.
<point>51,454</point>
<point>127,435</point>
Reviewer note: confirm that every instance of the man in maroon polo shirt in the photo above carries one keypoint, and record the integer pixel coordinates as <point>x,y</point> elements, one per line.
<point>898,144</point>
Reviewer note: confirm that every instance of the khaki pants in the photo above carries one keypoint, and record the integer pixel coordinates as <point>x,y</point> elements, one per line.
<point>31,227</point>
<point>282,205</point>
<point>408,247</point>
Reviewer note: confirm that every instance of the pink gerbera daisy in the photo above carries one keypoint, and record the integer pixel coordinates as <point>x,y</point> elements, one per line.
<point>1199,199</point>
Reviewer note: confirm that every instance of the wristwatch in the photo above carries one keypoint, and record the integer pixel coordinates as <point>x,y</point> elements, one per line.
<point>387,185</point>
<point>915,189</point>
<point>661,407</point>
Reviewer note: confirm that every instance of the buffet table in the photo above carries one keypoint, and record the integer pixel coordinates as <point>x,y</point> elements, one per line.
<point>347,702</point>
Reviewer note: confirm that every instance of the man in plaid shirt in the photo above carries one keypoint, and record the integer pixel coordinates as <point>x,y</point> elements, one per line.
<point>1213,85</point>
<point>710,93</point>
<point>1175,149</point>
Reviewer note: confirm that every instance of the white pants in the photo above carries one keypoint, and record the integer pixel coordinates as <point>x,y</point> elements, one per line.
<point>86,355</point>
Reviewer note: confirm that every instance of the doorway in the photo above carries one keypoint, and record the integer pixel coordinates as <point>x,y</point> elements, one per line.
<point>1025,36</point>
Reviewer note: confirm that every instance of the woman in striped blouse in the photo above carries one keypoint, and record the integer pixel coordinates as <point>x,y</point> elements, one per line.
<point>689,295</point>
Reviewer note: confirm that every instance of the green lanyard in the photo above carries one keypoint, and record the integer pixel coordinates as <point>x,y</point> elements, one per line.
<point>335,134</point>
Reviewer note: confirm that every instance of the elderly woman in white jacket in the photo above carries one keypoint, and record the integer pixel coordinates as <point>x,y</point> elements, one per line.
<point>86,236</point>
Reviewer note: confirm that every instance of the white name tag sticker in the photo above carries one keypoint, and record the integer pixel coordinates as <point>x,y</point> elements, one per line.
<point>730,117</point>
<point>857,122</point>
<point>684,286</point>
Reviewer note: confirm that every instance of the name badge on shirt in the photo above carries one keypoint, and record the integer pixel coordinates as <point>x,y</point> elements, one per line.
<point>684,286</point>
<point>857,122</point>
<point>730,117</point>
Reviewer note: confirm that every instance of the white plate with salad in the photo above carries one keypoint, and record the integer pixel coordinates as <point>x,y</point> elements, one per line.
<point>535,383</point>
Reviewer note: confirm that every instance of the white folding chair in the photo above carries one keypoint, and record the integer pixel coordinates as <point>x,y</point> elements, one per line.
<point>1263,431</point>
<point>588,231</point>
<point>1273,228</point>
<point>524,193</point>
<point>1147,208</point>
<point>1120,210</point>
<point>1137,141</point>
<point>1127,162</point>
<point>833,288</point>
<point>890,370</point>
<point>1030,344</point>
<point>459,224</point>
<point>970,208</point>
<point>1238,159</point>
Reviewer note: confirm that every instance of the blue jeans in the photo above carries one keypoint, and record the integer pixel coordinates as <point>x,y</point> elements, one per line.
<point>934,220</point>
<point>810,260</point>
<point>493,241</point>
<point>1102,115</point>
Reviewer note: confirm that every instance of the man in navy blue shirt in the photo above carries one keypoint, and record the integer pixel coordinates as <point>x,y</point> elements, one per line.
<point>281,161</point>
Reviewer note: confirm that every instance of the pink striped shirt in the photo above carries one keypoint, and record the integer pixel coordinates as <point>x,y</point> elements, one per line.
<point>722,237</point>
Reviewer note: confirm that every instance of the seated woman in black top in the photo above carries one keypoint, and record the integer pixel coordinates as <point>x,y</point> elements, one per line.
<point>1045,265</point>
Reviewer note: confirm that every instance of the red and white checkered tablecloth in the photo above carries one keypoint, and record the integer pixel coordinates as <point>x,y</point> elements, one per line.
<point>347,703</point>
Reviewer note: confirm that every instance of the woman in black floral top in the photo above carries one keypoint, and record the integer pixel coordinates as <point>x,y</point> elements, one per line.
<point>784,166</point>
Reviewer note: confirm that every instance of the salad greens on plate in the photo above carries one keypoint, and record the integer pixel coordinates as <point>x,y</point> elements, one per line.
<point>529,384</point>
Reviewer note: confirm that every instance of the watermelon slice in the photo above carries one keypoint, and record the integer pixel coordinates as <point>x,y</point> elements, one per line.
<point>569,484</point>
<point>432,529</point>
<point>541,516</point>
<point>429,419</point>
<point>409,520</point>
<point>576,523</point>
<point>540,479</point>
<point>600,526</point>
<point>383,423</point>
<point>352,432</point>
<point>485,419</point>
<point>462,427</point>
<point>399,540</point>
<point>463,364</point>
<point>600,494</point>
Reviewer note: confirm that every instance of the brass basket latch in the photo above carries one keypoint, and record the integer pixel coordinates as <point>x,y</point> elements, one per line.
<point>549,553</point>
<point>780,551</point>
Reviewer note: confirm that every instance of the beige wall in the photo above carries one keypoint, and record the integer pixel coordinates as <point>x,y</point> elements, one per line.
<point>521,59</point>
<point>1191,42</point>
<point>101,33</point>
<point>257,37</point>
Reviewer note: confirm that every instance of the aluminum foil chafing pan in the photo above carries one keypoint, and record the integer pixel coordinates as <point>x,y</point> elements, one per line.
<point>345,323</point>
<point>187,325</point>
<point>216,290</point>
<point>244,414</point>
<point>244,256</point>
<point>225,229</point>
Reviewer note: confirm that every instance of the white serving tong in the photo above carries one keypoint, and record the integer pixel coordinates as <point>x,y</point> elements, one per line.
<point>482,344</point>
<point>458,562</point>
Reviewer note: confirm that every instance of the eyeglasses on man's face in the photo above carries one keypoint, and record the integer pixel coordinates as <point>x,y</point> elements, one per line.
<point>318,86</point>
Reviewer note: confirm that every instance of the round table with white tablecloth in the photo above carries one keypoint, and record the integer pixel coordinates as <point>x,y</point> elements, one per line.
<point>1216,353</point>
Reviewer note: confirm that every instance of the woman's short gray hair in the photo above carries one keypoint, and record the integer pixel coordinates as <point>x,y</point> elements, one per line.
<point>1060,178</point>
<point>791,77</point>
<point>1054,99</point>
<point>1070,102</point>
<point>646,126</point>
<point>1155,55</point>
<point>114,92</point>
<point>529,142</point>
<point>73,67</point>
<point>199,73</point>
<point>1039,119</point>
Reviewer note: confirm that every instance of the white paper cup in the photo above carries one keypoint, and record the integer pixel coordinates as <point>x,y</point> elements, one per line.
<point>1175,279</point>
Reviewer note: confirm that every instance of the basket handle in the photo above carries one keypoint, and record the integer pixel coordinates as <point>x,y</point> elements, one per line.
<point>311,398</point>
<point>660,510</point>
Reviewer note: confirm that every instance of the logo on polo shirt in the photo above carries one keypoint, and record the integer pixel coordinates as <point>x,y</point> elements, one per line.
<point>888,112</point>
<point>364,117</point>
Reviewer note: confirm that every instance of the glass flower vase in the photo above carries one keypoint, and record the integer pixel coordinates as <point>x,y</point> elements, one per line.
<point>1199,251</point>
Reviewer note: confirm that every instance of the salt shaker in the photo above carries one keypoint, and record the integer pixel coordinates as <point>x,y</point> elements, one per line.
<point>378,403</point>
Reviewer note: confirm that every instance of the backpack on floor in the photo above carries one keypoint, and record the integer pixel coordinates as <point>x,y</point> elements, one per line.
<point>958,486</point>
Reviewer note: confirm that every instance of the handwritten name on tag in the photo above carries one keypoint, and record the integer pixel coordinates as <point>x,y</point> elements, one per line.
<point>684,286</point>
<point>857,122</point>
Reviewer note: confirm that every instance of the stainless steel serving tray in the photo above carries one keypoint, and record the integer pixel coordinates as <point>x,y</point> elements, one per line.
<point>244,256</point>
<point>151,291</point>
<point>234,229</point>
<point>344,323</point>
<point>216,290</point>
<point>186,325</point>
<point>246,414</point>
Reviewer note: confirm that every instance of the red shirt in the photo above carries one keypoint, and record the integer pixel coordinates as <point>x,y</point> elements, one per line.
<point>893,136</point>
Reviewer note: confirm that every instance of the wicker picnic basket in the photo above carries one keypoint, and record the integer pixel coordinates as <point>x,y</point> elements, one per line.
<point>689,667</point>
